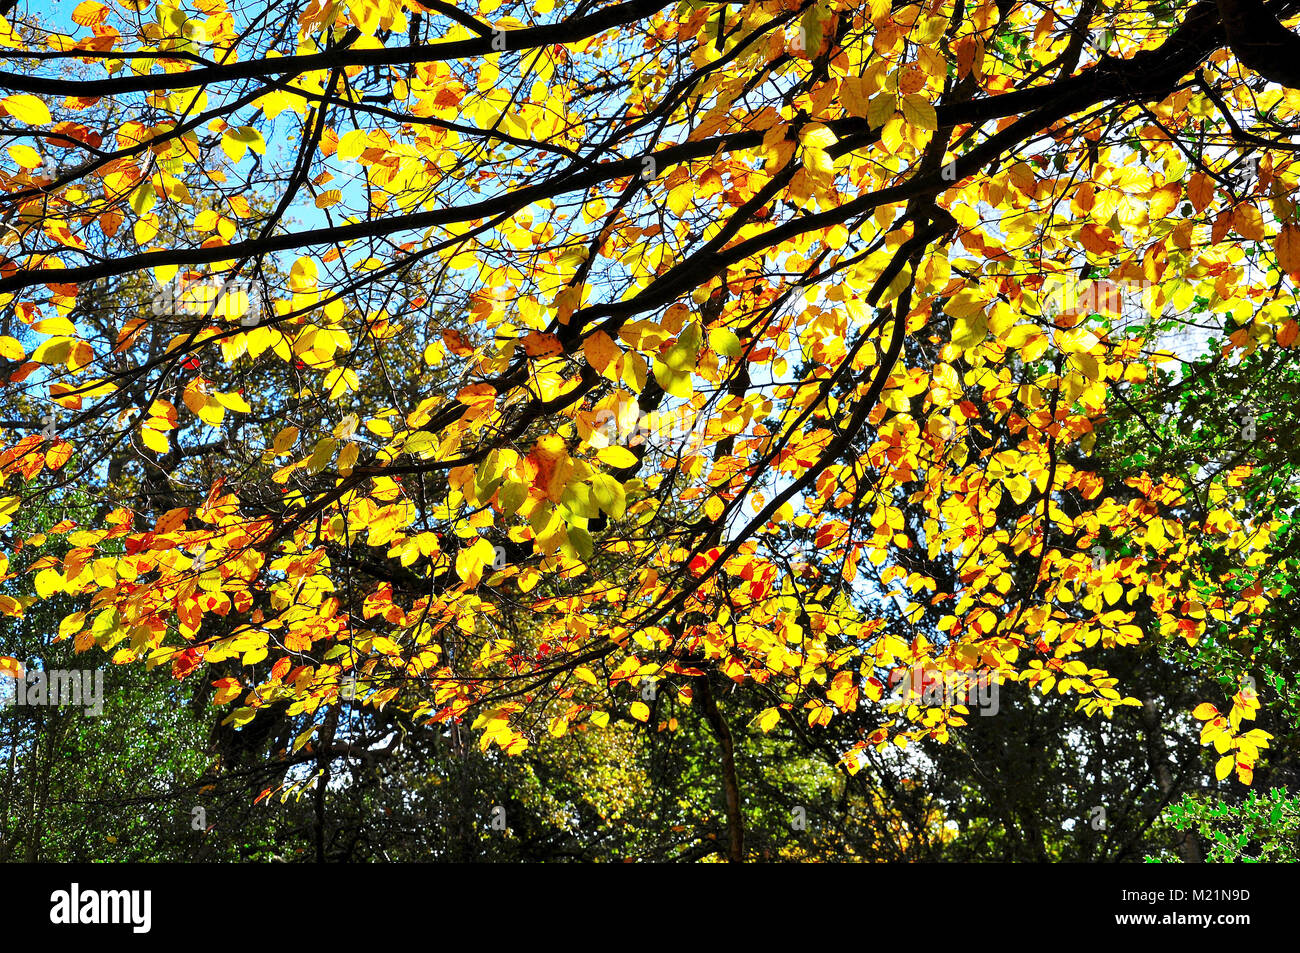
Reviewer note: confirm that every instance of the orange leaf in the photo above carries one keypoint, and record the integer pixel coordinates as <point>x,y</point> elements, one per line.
<point>1287,247</point>
<point>1200,189</point>
<point>538,344</point>
<point>1098,239</point>
<point>1163,200</point>
<point>1286,335</point>
<point>457,343</point>
<point>600,349</point>
<point>172,520</point>
<point>1248,223</point>
<point>554,466</point>
<point>228,689</point>
<point>58,455</point>
<point>90,13</point>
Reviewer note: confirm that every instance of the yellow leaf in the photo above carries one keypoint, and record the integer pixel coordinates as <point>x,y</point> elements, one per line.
<point>725,342</point>
<point>348,458</point>
<point>965,304</point>
<point>143,198</point>
<point>302,276</point>
<point>341,380</point>
<point>53,351</point>
<point>817,136</point>
<point>1224,767</point>
<point>852,95</point>
<point>26,109</point>
<point>284,440</point>
<point>768,719</point>
<point>1248,222</point>
<point>320,454</point>
<point>919,112</point>
<point>1287,334</point>
<point>233,401</point>
<point>880,109</point>
<point>154,440</point>
<point>1086,363</point>
<point>673,371</point>
<point>48,582</point>
<point>818,161</point>
<point>640,711</point>
<point>1020,488</point>
<point>204,407</point>
<point>969,332</point>
<point>471,561</point>
<point>619,458</point>
<point>891,137</point>
<point>239,139</point>
<point>25,156</point>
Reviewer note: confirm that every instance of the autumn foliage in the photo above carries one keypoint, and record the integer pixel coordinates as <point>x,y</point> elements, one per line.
<point>491,363</point>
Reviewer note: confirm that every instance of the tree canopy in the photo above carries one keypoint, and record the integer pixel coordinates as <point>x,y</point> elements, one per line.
<point>505,374</point>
